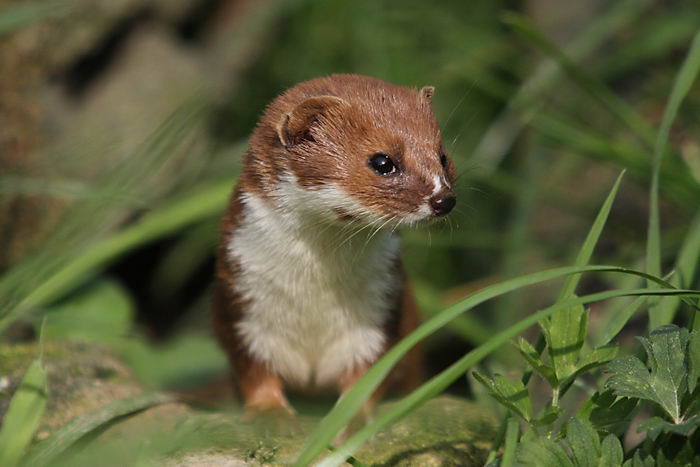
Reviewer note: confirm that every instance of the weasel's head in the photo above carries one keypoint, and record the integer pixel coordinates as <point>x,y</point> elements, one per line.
<point>355,148</point>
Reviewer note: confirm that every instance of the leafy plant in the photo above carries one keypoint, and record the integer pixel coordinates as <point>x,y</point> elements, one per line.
<point>669,379</point>
<point>579,446</point>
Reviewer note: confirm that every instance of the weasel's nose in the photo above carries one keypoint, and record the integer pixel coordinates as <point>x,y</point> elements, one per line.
<point>442,203</point>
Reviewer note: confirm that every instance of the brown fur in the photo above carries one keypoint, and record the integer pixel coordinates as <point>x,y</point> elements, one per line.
<point>262,390</point>
<point>323,131</point>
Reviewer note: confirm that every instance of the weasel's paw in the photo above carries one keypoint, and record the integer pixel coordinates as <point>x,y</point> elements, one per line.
<point>255,413</point>
<point>272,421</point>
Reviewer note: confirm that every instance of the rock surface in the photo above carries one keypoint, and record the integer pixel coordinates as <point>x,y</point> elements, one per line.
<point>83,377</point>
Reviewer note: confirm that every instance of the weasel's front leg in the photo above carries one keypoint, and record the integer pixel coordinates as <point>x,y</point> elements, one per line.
<point>262,391</point>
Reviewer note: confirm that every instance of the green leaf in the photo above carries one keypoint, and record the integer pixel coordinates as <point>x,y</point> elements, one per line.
<point>533,358</point>
<point>542,452</point>
<point>49,449</point>
<point>654,426</point>
<point>345,409</point>
<point>666,380</point>
<point>694,360</point>
<point>565,332</point>
<point>595,358</point>
<point>101,311</point>
<point>23,415</point>
<point>638,461</point>
<point>583,441</point>
<point>512,395</point>
<point>691,403</point>
<point>616,412</point>
<point>684,80</point>
<point>611,453</point>
<point>599,400</point>
<point>666,349</point>
<point>547,416</point>
<point>630,379</point>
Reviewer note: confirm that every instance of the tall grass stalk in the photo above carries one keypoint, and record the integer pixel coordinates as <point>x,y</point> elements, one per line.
<point>684,80</point>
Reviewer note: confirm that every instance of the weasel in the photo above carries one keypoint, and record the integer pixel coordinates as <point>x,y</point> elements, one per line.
<point>310,291</point>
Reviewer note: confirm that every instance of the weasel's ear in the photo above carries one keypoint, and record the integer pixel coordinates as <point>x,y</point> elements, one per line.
<point>427,92</point>
<point>295,126</point>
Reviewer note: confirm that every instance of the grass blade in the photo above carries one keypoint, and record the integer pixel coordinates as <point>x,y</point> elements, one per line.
<point>586,251</point>
<point>95,215</point>
<point>684,80</point>
<point>196,205</point>
<point>438,383</point>
<point>615,325</point>
<point>582,258</point>
<point>500,136</point>
<point>56,444</point>
<point>680,186</point>
<point>23,415</point>
<point>352,401</point>
<point>586,81</point>
<point>518,238</point>
<point>686,264</point>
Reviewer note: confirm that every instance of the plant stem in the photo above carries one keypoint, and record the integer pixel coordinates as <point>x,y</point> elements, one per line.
<point>500,436</point>
<point>511,443</point>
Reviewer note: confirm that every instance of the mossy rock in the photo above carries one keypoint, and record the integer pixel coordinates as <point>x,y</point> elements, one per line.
<point>446,431</point>
<point>84,377</point>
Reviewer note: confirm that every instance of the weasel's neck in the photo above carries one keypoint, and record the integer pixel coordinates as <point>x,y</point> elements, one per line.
<point>294,235</point>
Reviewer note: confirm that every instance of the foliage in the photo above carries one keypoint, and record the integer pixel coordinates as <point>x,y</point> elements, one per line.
<point>524,127</point>
<point>589,439</point>
<point>24,414</point>
<point>668,380</point>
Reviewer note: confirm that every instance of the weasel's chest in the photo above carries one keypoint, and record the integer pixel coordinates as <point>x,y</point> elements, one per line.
<point>312,337</point>
<point>314,310</point>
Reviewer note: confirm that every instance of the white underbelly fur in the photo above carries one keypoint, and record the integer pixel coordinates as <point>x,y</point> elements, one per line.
<point>315,303</point>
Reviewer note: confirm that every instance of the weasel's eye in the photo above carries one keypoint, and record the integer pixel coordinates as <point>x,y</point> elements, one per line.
<point>382,164</point>
<point>443,160</point>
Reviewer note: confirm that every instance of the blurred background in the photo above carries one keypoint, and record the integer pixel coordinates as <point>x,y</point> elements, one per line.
<point>122,123</point>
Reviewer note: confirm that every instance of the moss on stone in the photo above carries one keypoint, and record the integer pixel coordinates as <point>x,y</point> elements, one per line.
<point>85,376</point>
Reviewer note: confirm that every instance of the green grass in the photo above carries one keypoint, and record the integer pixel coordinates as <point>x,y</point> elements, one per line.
<point>23,415</point>
<point>684,80</point>
<point>542,129</point>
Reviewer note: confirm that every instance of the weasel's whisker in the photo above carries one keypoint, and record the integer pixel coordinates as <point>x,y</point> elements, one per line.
<point>456,107</point>
<point>353,234</point>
